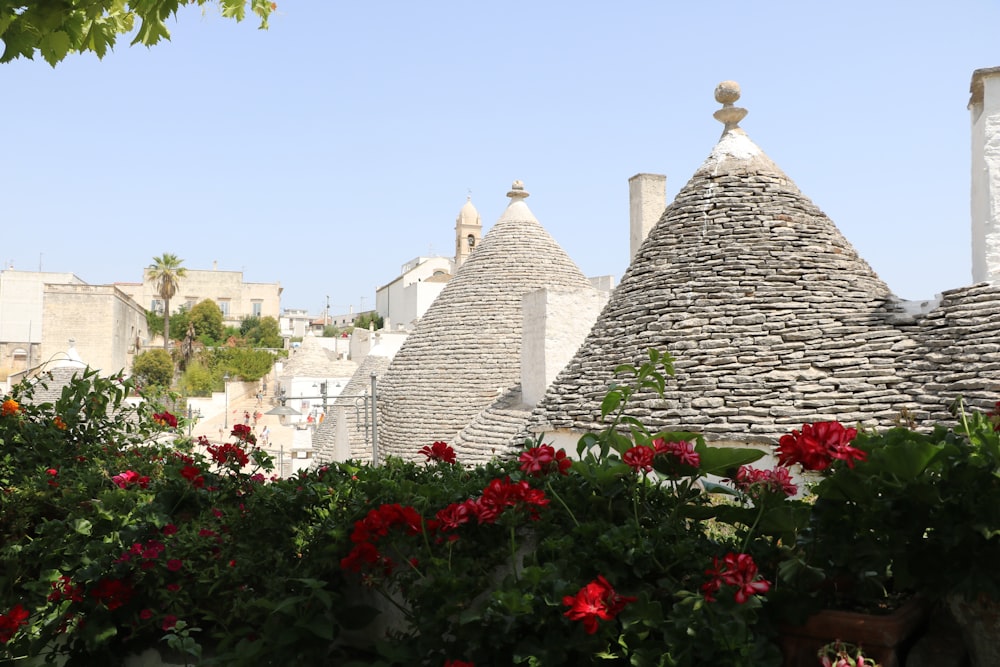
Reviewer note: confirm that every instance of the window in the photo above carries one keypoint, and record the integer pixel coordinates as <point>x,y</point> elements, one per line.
<point>157,306</point>
<point>472,241</point>
<point>256,307</point>
<point>224,307</point>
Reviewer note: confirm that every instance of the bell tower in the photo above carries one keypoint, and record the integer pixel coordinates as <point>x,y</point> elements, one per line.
<point>468,232</point>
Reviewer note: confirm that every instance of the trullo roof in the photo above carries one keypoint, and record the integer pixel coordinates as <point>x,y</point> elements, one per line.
<point>773,317</point>
<point>465,351</point>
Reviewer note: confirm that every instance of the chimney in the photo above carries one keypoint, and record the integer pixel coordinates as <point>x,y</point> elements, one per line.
<point>647,197</point>
<point>984,106</point>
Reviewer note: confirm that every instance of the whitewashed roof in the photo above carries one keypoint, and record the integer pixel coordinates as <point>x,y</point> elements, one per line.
<point>495,431</point>
<point>465,351</point>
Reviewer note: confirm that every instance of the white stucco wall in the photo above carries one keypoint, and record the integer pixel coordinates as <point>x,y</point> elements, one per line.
<point>984,108</point>
<point>555,324</point>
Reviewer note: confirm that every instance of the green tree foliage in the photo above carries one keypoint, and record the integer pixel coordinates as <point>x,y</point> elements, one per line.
<point>207,319</point>
<point>154,368</point>
<point>56,29</point>
<point>166,271</point>
<point>364,319</point>
<point>240,362</point>
<point>196,380</point>
<point>261,332</point>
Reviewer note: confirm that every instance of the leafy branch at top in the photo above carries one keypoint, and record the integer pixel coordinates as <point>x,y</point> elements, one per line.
<point>55,29</point>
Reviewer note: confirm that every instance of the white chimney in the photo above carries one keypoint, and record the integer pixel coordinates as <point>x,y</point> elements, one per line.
<point>984,106</point>
<point>647,198</point>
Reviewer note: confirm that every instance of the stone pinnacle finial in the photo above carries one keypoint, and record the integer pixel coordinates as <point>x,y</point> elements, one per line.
<point>517,191</point>
<point>726,93</point>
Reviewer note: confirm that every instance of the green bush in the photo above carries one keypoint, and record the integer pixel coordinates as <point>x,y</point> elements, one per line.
<point>154,368</point>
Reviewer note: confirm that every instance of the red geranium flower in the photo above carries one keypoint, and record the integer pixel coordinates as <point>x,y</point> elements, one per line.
<point>11,621</point>
<point>165,419</point>
<point>639,458</point>
<point>458,663</point>
<point>817,445</point>
<point>737,570</point>
<point>228,453</point>
<point>754,482</point>
<point>544,459</point>
<point>595,601</point>
<point>682,451</point>
<point>439,451</point>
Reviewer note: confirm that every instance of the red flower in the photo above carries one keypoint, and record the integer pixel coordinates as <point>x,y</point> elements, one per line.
<point>169,529</point>
<point>458,663</point>
<point>11,621</point>
<point>228,453</point>
<point>683,452</point>
<point>125,479</point>
<point>63,589</point>
<point>174,564</point>
<point>165,419</point>
<point>817,445</point>
<point>112,592</point>
<point>597,600</point>
<point>244,433</point>
<point>169,621</point>
<point>454,515</point>
<point>544,459</point>
<point>193,475</point>
<point>439,451</point>
<point>755,482</point>
<point>737,570</point>
<point>146,614</point>
<point>639,458</point>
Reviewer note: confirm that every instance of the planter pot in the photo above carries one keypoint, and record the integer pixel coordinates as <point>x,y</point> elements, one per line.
<point>979,621</point>
<point>884,637</point>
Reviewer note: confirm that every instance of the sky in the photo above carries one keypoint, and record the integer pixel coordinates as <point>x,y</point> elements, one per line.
<point>332,148</point>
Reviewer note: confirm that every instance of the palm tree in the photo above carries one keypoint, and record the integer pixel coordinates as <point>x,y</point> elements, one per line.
<point>166,271</point>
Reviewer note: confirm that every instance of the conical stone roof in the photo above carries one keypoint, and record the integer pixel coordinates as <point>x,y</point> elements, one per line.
<point>465,351</point>
<point>773,317</point>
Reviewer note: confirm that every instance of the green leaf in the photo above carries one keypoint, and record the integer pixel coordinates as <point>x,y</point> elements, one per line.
<point>54,46</point>
<point>356,617</point>
<point>721,460</point>
<point>83,526</point>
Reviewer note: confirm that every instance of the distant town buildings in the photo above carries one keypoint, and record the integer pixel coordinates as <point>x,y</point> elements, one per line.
<point>236,299</point>
<point>41,312</point>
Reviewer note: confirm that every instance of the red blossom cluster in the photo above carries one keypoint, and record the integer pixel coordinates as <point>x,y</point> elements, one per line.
<point>165,419</point>
<point>737,570</point>
<point>123,480</point>
<point>458,663</point>
<point>244,433</point>
<point>498,495</point>
<point>228,453</point>
<point>680,454</point>
<point>755,482</point>
<point>368,531</point>
<point>818,445</point>
<point>113,593</point>
<point>595,601</point>
<point>146,553</point>
<point>439,451</point>
<point>11,621</point>
<point>64,589</point>
<point>544,459</point>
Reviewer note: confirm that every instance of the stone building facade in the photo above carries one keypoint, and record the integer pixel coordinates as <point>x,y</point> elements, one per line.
<point>237,299</point>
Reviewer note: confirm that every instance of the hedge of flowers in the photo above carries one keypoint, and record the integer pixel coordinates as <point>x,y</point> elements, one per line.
<point>119,535</point>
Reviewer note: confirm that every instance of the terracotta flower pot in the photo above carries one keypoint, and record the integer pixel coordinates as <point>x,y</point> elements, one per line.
<point>881,636</point>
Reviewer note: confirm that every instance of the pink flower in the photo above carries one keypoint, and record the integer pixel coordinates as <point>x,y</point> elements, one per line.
<point>544,459</point>
<point>683,452</point>
<point>755,482</point>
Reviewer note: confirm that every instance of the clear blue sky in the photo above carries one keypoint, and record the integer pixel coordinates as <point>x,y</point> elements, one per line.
<point>329,150</point>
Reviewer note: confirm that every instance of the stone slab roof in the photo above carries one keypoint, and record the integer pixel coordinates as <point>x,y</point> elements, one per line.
<point>773,316</point>
<point>311,359</point>
<point>494,431</point>
<point>465,351</point>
